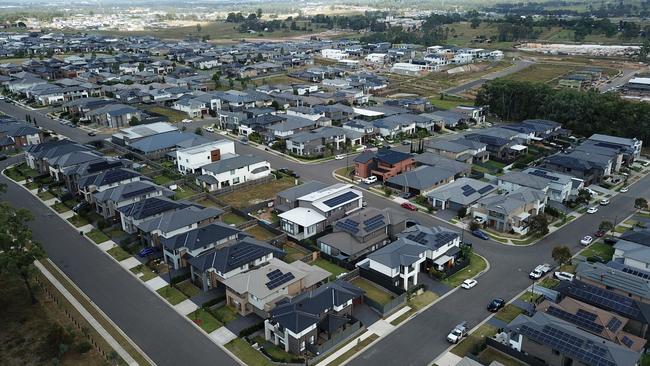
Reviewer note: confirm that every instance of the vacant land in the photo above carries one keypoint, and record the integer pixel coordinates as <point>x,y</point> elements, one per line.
<point>251,195</point>
<point>172,114</point>
<point>543,72</point>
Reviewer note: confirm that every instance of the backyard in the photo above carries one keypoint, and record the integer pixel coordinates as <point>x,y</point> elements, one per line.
<point>254,194</point>
<point>231,218</point>
<point>373,292</point>
<point>329,266</point>
<point>260,233</point>
<point>183,192</point>
<point>294,253</point>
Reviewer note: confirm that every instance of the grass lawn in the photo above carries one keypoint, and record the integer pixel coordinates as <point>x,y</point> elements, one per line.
<point>232,218</point>
<point>45,195</point>
<point>31,185</point>
<point>293,253</point>
<point>571,268</point>
<point>488,355</point>
<point>172,295</point>
<point>274,351</point>
<point>205,320</point>
<point>469,344</point>
<point>14,174</point>
<point>172,114</point>
<point>420,301</point>
<point>527,240</point>
<point>162,179</point>
<point>548,282</point>
<point>352,351</point>
<point>375,293</point>
<point>78,221</point>
<point>599,249</point>
<point>247,354</point>
<point>621,229</point>
<point>183,192</point>
<point>250,195</point>
<point>97,236</point>
<point>450,102</point>
<point>529,296</point>
<point>542,72</point>
<point>60,207</point>
<point>118,253</point>
<point>260,233</point>
<point>329,266</point>
<point>476,265</point>
<point>146,272</point>
<point>224,314</point>
<point>508,313</point>
<point>188,288</point>
<point>345,171</point>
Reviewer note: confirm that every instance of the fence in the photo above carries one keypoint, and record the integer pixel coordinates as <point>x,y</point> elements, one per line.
<point>387,308</point>
<point>526,359</point>
<point>351,331</point>
<point>228,189</point>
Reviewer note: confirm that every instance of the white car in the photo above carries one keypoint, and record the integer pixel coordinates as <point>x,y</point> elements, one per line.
<point>624,189</point>
<point>339,157</point>
<point>209,129</point>
<point>468,284</point>
<point>604,202</point>
<point>186,120</point>
<point>592,210</point>
<point>586,240</point>
<point>370,180</point>
<point>479,219</point>
<point>564,276</point>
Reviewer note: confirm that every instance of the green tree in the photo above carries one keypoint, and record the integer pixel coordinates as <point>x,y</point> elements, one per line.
<point>606,226</point>
<point>231,83</point>
<point>475,23</point>
<point>18,250</point>
<point>641,203</point>
<point>561,254</point>
<point>199,131</point>
<point>539,225</point>
<point>134,121</point>
<point>216,77</point>
<point>258,13</point>
<point>198,28</point>
<point>473,225</point>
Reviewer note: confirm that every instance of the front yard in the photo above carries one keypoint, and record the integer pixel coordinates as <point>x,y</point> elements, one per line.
<point>329,266</point>
<point>188,288</point>
<point>224,314</point>
<point>599,250</point>
<point>97,236</point>
<point>45,195</point>
<point>78,221</point>
<point>474,340</point>
<point>247,354</point>
<point>118,253</point>
<point>171,294</point>
<point>143,272</point>
<point>508,313</point>
<point>476,265</point>
<point>251,195</point>
<point>60,207</point>
<point>205,320</point>
<point>372,291</point>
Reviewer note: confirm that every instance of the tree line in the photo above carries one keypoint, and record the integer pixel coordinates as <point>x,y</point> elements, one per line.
<point>583,112</point>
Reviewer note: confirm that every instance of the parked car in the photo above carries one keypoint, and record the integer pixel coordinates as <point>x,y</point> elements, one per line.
<point>209,129</point>
<point>480,234</point>
<point>406,195</point>
<point>79,206</point>
<point>92,134</point>
<point>479,219</point>
<point>409,206</point>
<point>286,171</point>
<point>187,120</point>
<point>406,142</point>
<point>370,180</point>
<point>586,240</point>
<point>457,333</point>
<point>604,202</point>
<point>624,189</point>
<point>3,157</point>
<point>468,284</point>
<point>294,174</point>
<point>145,252</point>
<point>592,210</point>
<point>244,140</point>
<point>564,276</point>
<point>339,157</point>
<point>496,304</point>
<point>539,271</point>
<point>610,240</point>
<point>599,234</point>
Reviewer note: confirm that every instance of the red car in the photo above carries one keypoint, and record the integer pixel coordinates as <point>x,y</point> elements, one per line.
<point>409,206</point>
<point>599,234</point>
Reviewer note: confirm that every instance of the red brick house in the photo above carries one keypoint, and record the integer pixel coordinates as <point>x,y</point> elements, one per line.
<point>384,163</point>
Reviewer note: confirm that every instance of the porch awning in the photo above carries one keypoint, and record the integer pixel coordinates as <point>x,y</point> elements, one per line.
<point>518,147</point>
<point>442,260</point>
<point>523,216</point>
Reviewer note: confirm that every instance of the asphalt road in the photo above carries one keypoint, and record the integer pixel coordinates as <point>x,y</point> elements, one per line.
<point>518,66</point>
<point>626,75</point>
<point>151,323</point>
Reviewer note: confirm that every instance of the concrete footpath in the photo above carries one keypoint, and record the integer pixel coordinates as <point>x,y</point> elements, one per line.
<point>86,315</point>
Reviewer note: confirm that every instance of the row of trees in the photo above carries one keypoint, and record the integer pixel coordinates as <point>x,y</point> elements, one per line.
<point>582,112</point>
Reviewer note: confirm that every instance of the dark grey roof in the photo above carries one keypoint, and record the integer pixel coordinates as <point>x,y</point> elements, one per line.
<point>525,180</point>
<point>107,177</point>
<point>422,178</point>
<point>174,220</point>
<point>201,237</point>
<point>432,237</point>
<point>168,140</point>
<point>304,310</point>
<point>235,255</point>
<point>233,163</point>
<point>402,252</point>
<point>129,190</point>
<point>150,207</point>
<point>439,161</point>
<point>640,236</point>
<point>614,278</point>
<point>293,193</point>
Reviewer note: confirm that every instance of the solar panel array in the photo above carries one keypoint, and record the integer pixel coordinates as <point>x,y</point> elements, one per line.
<point>340,199</point>
<point>419,238</point>
<point>632,271</point>
<point>577,319</point>
<point>374,223</point>
<point>627,342</point>
<point>467,190</point>
<point>543,174</point>
<point>277,278</point>
<point>348,225</point>
<point>587,314</point>
<point>241,254</point>
<point>138,192</point>
<point>613,324</point>
<point>585,351</point>
<point>486,189</point>
<point>605,299</point>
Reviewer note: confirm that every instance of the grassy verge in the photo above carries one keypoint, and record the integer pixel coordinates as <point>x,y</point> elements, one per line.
<point>205,320</point>
<point>329,266</point>
<point>508,313</point>
<point>276,352</point>
<point>352,351</point>
<point>474,340</point>
<point>172,295</point>
<point>373,292</point>
<point>476,265</point>
<point>118,253</point>
<point>146,272</point>
<point>78,221</point>
<point>548,282</point>
<point>99,317</point>
<point>97,236</point>
<point>247,354</point>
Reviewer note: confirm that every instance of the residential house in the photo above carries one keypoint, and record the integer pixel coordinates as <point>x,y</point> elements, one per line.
<point>511,212</point>
<point>110,200</point>
<point>396,264</point>
<point>630,146</point>
<point>590,168</point>
<point>404,124</point>
<point>16,135</point>
<point>319,209</point>
<point>421,179</point>
<point>258,290</point>
<point>428,159</point>
<point>476,115</point>
<point>289,198</point>
<point>558,187</point>
<point>317,142</point>
<point>136,213</point>
<point>502,144</point>
<point>101,180</point>
<point>114,115</point>
<point>233,171</point>
<point>449,119</point>
<point>459,194</point>
<point>127,136</point>
<point>621,279</point>
<point>191,159</point>
<point>312,318</point>
<point>443,245</point>
<point>57,165</point>
<point>37,156</point>
<point>383,163</point>
<point>361,233</point>
<point>463,150</point>
<point>178,249</point>
<point>154,229</point>
<point>290,126</point>
<point>211,268</point>
<point>158,145</point>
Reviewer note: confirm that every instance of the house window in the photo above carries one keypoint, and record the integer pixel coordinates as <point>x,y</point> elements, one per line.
<point>312,339</point>
<point>302,345</point>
